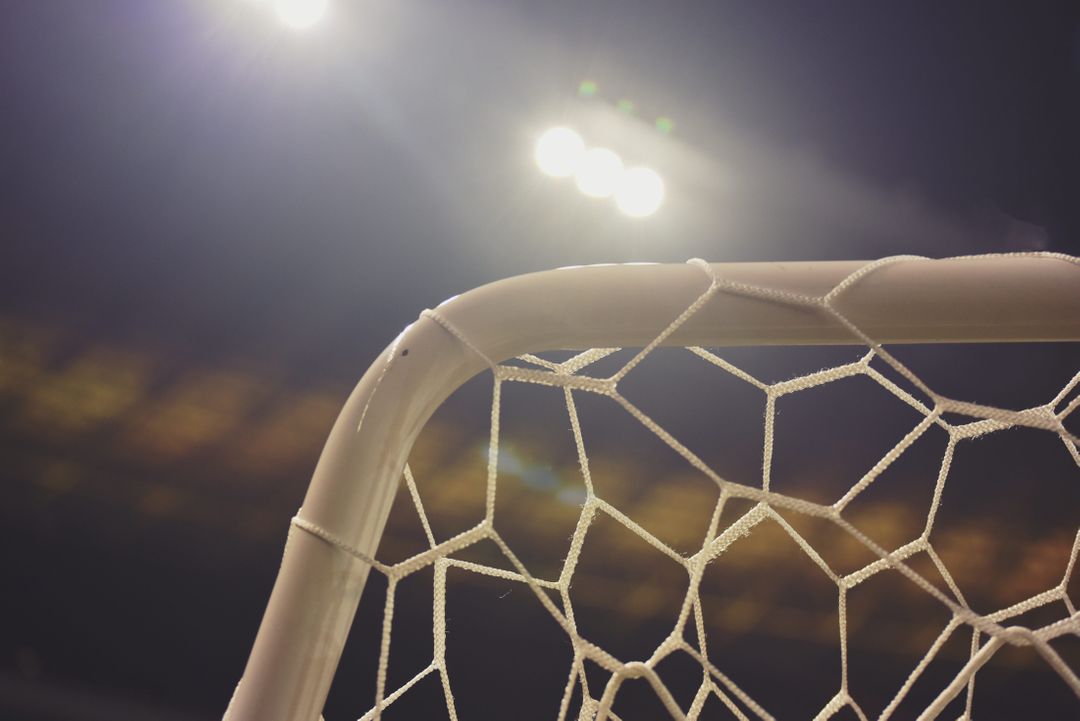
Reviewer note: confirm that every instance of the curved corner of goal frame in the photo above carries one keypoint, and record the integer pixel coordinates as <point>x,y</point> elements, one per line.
<point>1026,297</point>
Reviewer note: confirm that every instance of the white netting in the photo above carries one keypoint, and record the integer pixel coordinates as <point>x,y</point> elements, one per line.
<point>989,631</point>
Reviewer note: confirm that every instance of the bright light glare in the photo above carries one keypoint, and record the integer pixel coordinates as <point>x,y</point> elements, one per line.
<point>300,14</point>
<point>558,152</point>
<point>640,192</point>
<point>598,173</point>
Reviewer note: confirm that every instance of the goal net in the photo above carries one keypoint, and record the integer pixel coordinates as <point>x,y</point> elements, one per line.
<point>310,615</point>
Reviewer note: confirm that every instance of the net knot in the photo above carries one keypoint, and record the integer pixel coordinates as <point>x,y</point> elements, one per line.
<point>453,330</point>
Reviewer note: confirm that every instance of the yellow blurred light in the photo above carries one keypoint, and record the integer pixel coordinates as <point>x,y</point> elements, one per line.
<point>598,173</point>
<point>558,152</point>
<point>300,14</point>
<point>640,192</point>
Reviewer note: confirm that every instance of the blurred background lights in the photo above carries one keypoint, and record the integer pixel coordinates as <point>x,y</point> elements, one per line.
<point>598,173</point>
<point>587,89</point>
<point>559,151</point>
<point>300,14</point>
<point>639,192</point>
<point>665,125</point>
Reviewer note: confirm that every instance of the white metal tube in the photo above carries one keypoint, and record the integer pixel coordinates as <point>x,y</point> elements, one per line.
<point>318,587</point>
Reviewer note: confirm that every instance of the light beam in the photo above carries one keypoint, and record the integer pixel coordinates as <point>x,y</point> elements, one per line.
<point>558,152</point>
<point>300,14</point>
<point>598,173</point>
<point>640,192</point>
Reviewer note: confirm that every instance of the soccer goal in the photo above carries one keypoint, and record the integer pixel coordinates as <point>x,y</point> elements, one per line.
<point>627,313</point>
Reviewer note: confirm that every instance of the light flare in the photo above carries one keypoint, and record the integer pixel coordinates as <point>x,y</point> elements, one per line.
<point>558,152</point>
<point>598,173</point>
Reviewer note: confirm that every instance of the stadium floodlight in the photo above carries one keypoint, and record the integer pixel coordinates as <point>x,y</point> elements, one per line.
<point>639,192</point>
<point>558,152</point>
<point>300,14</point>
<point>598,173</point>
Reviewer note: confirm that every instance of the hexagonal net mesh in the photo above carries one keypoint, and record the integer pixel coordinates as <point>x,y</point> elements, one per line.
<point>961,422</point>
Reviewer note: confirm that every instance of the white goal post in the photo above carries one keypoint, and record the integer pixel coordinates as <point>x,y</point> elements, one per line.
<point>1004,298</point>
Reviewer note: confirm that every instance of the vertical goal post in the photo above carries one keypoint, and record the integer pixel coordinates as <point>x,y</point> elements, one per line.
<point>1002,298</point>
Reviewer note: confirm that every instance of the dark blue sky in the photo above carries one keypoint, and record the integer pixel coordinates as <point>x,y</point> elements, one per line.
<point>197,167</point>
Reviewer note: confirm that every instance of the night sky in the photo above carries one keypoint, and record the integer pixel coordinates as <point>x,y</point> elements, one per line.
<point>210,225</point>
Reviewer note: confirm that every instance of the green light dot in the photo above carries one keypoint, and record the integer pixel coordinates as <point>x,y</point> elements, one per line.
<point>587,89</point>
<point>625,106</point>
<point>665,125</point>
